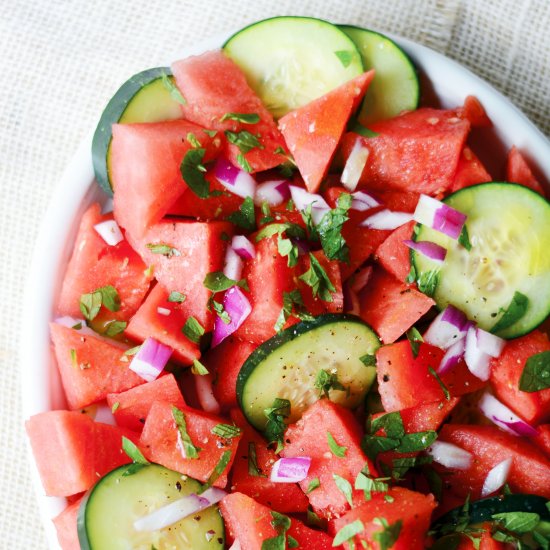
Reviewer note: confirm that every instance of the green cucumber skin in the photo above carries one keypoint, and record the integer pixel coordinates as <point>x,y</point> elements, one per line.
<point>283,337</point>
<point>505,185</point>
<point>112,114</point>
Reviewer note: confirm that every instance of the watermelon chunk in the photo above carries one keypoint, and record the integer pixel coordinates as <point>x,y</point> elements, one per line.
<point>469,171</point>
<point>134,404</point>
<point>390,306</point>
<point>282,497</point>
<point>393,255</point>
<point>542,440</point>
<point>94,264</point>
<point>534,407</point>
<point>65,525</point>
<point>196,249</point>
<point>529,473</point>
<point>410,508</point>
<point>518,171</point>
<point>159,441</point>
<point>310,436</point>
<point>313,131</point>
<point>90,367</point>
<point>249,522</point>
<point>72,451</point>
<point>474,112</point>
<point>417,151</point>
<point>213,85</point>
<point>165,326</point>
<point>145,166</point>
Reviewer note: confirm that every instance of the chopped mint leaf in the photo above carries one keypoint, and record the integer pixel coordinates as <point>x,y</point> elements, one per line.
<point>513,313</point>
<point>112,328</point>
<point>217,472</point>
<point>175,94</point>
<point>132,351</point>
<point>115,407</point>
<point>226,431</point>
<point>177,297</point>
<point>287,248</point>
<point>536,373</point>
<point>292,305</point>
<point>440,382</point>
<point>245,217</point>
<point>192,171</point>
<point>74,359</point>
<point>518,522</point>
<point>373,445</point>
<point>362,130</point>
<point>266,211</point>
<point>220,312</point>
<point>243,163</point>
<point>317,278</point>
<point>313,520</point>
<point>292,542</point>
<point>77,326</point>
<point>345,57</point>
<point>464,239</point>
<point>389,534</point>
<point>337,450</point>
<point>313,484</point>
<point>198,368</point>
<point>368,360</point>
<point>428,281</point>
<point>289,205</point>
<point>244,140</point>
<point>138,460</point>
<point>348,532</point>
<point>276,427</point>
<point>411,277</point>
<point>344,486</point>
<point>193,330</point>
<point>415,339</point>
<point>91,303</point>
<point>310,224</point>
<point>245,118</point>
<point>435,482</point>
<point>163,249</point>
<point>189,450</point>
<point>391,423</point>
<point>192,139</point>
<point>218,282</point>
<point>210,133</point>
<point>364,481</point>
<point>326,381</point>
<point>330,227</point>
<point>291,230</point>
<point>416,442</point>
<point>253,469</point>
<point>402,465</point>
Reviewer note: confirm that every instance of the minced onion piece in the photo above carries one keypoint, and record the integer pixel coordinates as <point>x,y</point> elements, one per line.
<point>72,322</point>
<point>496,477</point>
<point>238,181</point>
<point>450,455</point>
<point>207,400</point>
<point>233,267</point>
<point>164,311</point>
<point>178,510</point>
<point>446,329</point>
<point>489,343</point>
<point>431,250</point>
<point>452,356</point>
<point>237,306</point>
<point>354,166</point>
<point>272,192</point>
<point>439,216</point>
<point>302,199</point>
<point>362,201</point>
<point>150,359</point>
<point>477,361</point>
<point>386,219</point>
<point>109,231</point>
<point>504,418</point>
<point>104,415</point>
<point>243,247</point>
<point>290,470</point>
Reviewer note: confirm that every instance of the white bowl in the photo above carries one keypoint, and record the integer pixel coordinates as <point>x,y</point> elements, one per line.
<point>450,82</point>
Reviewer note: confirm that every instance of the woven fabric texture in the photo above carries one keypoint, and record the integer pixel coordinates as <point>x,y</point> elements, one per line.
<point>63,59</point>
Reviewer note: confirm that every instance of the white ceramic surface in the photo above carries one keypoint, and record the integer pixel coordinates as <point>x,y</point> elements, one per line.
<point>76,191</point>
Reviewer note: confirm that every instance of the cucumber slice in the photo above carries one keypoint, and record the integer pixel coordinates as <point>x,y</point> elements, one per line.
<point>289,61</point>
<point>509,231</point>
<point>395,87</point>
<point>142,98</point>
<point>287,365</point>
<point>107,514</point>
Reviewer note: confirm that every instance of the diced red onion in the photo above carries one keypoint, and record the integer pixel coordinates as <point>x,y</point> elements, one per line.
<point>109,231</point>
<point>150,359</point>
<point>237,306</point>
<point>386,219</point>
<point>233,265</point>
<point>496,477</point>
<point>104,415</point>
<point>452,356</point>
<point>302,198</point>
<point>477,361</point>
<point>272,192</point>
<point>439,216</point>
<point>504,418</point>
<point>203,385</point>
<point>489,343</point>
<point>164,311</point>
<point>72,322</point>
<point>178,510</point>
<point>290,470</point>
<point>237,181</point>
<point>354,166</point>
<point>362,201</point>
<point>243,247</point>
<point>450,455</point>
<point>446,329</point>
<point>431,250</point>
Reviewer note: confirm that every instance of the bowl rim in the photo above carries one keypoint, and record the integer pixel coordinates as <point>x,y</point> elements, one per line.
<point>76,190</point>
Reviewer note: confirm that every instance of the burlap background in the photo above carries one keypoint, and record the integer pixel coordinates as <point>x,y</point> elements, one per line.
<point>61,60</point>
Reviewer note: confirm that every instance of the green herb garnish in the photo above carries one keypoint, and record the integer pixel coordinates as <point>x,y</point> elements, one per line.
<point>536,373</point>
<point>189,450</point>
<point>193,330</point>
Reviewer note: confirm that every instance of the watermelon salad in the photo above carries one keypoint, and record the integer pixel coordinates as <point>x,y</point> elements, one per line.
<point>311,318</point>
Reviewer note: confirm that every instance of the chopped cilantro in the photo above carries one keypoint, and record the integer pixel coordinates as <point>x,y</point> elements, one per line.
<point>193,330</point>
<point>245,118</point>
<point>310,224</point>
<point>317,278</point>
<point>216,281</point>
<point>337,450</point>
<point>226,431</point>
<point>163,249</point>
<point>330,230</point>
<point>245,216</point>
<point>276,427</point>
<point>536,373</point>
<point>291,230</point>
<point>189,450</point>
<point>326,381</point>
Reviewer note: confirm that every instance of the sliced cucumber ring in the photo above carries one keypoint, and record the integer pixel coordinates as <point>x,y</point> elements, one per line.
<point>289,61</point>
<point>287,366</point>
<point>395,87</point>
<point>509,230</point>
<point>107,514</point>
<point>142,98</point>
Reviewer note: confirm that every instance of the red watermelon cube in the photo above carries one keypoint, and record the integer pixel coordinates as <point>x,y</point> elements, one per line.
<point>518,171</point>
<point>65,525</point>
<point>469,171</point>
